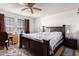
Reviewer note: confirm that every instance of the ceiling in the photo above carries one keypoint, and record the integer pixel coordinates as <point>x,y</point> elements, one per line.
<point>47,8</point>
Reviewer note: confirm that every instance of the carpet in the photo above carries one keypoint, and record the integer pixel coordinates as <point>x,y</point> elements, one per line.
<point>14,52</point>
<point>68,52</point>
<point>22,52</point>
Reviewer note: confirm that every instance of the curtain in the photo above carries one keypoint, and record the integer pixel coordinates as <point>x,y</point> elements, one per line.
<point>2,24</point>
<point>26,26</point>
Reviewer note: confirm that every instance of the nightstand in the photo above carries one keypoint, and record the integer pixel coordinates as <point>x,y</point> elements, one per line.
<point>71,42</point>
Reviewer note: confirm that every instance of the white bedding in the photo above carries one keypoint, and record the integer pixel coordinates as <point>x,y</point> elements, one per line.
<point>54,37</point>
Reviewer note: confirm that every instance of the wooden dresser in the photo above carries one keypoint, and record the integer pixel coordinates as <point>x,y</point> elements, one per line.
<point>14,38</point>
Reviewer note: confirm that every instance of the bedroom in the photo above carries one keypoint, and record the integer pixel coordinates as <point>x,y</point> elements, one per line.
<point>51,15</point>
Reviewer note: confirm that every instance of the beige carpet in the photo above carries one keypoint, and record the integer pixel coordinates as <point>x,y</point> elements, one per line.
<point>15,51</point>
<point>59,51</point>
<point>77,52</point>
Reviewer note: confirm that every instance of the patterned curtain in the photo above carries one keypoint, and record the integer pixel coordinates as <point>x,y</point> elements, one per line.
<point>2,24</point>
<point>26,26</point>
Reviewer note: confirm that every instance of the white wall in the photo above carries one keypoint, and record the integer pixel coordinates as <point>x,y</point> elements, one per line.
<point>37,25</point>
<point>69,18</point>
<point>16,16</point>
<point>32,25</point>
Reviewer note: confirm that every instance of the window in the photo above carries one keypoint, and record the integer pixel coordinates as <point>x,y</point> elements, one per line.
<point>10,24</point>
<point>13,25</point>
<point>20,25</point>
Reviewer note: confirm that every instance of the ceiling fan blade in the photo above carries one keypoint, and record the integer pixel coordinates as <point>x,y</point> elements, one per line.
<point>31,10</point>
<point>25,4</point>
<point>37,8</point>
<point>24,9</point>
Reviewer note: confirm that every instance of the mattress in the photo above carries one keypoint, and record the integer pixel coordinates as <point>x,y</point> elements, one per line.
<point>54,37</point>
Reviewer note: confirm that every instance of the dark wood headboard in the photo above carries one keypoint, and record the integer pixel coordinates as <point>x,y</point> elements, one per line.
<point>52,29</point>
<point>57,29</point>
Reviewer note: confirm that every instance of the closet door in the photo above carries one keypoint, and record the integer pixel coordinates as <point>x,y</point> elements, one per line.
<point>2,24</point>
<point>26,26</point>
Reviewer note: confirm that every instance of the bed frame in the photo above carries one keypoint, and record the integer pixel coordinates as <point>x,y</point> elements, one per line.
<point>38,48</point>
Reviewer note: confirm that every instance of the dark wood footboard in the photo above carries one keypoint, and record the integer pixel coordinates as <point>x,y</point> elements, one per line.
<point>24,42</point>
<point>35,47</point>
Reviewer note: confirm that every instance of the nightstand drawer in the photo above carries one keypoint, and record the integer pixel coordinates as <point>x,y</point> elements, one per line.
<point>70,43</point>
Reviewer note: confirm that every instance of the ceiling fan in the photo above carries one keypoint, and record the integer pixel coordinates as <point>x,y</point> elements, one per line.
<point>77,11</point>
<point>31,7</point>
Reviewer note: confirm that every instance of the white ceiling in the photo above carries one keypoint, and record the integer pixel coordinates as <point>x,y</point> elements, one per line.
<point>47,8</point>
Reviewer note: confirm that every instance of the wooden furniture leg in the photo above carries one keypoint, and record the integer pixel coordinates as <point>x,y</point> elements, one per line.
<point>46,48</point>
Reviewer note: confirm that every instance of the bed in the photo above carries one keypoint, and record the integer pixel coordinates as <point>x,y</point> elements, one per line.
<point>43,43</point>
